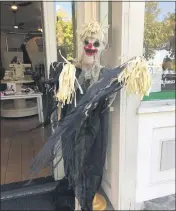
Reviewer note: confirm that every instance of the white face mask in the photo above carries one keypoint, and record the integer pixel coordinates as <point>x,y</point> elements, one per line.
<point>92,49</point>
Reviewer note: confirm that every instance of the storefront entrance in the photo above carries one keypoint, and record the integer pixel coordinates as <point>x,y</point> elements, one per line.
<point>22,71</point>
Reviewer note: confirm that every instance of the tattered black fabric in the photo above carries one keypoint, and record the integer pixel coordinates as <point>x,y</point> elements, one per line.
<point>81,136</point>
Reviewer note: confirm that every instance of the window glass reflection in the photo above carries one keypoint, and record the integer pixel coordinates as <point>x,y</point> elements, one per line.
<point>64,29</point>
<point>159,44</point>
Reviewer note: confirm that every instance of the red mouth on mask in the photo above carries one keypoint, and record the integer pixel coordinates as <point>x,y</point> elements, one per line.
<point>90,51</point>
<point>89,48</point>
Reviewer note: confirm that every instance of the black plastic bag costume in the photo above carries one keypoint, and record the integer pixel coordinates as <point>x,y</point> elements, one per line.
<point>83,131</point>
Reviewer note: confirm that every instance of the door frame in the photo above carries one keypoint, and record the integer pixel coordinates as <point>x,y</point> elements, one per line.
<point>49,33</point>
<point>124,154</point>
<point>127,18</point>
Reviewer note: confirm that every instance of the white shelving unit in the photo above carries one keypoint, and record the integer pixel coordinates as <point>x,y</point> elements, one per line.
<point>18,107</point>
<point>22,108</point>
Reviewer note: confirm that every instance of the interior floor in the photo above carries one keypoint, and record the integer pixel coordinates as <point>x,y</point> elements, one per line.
<point>19,148</point>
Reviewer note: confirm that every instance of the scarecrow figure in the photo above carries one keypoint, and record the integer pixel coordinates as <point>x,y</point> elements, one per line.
<point>80,93</point>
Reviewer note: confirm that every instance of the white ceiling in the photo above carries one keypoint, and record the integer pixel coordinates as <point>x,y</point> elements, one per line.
<point>30,15</point>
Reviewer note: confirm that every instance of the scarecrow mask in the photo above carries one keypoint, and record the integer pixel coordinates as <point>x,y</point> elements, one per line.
<point>92,46</point>
<point>93,42</point>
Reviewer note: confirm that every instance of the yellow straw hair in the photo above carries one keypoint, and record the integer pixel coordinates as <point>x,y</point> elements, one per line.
<point>66,84</point>
<point>136,77</point>
<point>67,78</point>
<point>92,29</point>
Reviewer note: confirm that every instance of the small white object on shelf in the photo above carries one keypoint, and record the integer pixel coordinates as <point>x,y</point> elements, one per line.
<point>9,92</point>
<point>19,106</point>
<point>19,68</point>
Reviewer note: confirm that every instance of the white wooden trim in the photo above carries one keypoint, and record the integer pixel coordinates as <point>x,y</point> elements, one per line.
<point>50,44</point>
<point>156,106</point>
<point>107,189</point>
<point>151,181</point>
<point>49,32</point>
<point>122,162</point>
<point>132,45</point>
<point>110,58</point>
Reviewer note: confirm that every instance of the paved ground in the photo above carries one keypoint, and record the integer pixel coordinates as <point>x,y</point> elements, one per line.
<point>164,203</point>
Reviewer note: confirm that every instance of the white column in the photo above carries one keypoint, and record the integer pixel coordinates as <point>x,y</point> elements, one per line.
<point>112,58</point>
<point>50,44</point>
<point>132,45</point>
<point>121,170</point>
<point>49,25</point>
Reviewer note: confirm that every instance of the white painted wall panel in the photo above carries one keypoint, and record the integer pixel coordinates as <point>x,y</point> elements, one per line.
<point>155,172</point>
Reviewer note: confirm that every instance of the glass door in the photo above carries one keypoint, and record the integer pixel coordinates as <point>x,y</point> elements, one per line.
<point>21,89</point>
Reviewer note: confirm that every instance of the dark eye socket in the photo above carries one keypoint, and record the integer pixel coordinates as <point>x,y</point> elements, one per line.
<point>86,42</point>
<point>96,44</point>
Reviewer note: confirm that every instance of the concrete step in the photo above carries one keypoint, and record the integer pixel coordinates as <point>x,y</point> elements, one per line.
<point>164,203</point>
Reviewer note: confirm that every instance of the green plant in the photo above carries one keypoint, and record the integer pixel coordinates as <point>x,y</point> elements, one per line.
<point>64,34</point>
<point>157,33</point>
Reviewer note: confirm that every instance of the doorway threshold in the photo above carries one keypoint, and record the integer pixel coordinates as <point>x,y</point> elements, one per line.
<point>21,189</point>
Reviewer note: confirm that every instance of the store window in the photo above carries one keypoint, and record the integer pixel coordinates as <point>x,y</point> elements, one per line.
<point>159,48</point>
<point>65,29</point>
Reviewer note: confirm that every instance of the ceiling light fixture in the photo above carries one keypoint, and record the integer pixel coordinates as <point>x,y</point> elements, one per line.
<point>16,27</point>
<point>14,7</point>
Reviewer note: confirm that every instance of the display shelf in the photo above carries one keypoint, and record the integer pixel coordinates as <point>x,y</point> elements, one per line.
<point>19,107</point>
<point>12,110</point>
<point>22,105</point>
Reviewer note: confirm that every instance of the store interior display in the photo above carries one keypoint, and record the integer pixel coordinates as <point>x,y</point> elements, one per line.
<point>22,72</point>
